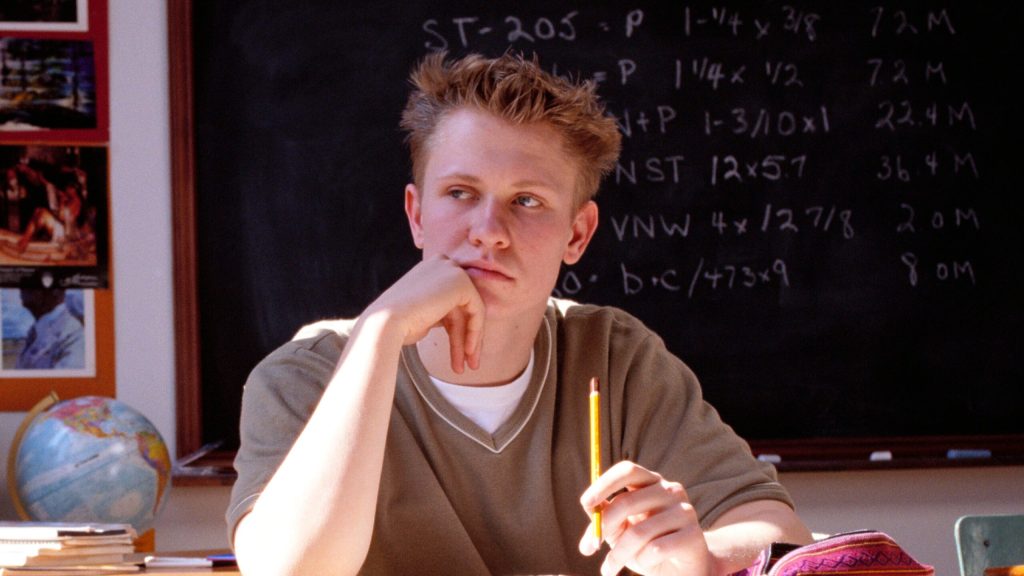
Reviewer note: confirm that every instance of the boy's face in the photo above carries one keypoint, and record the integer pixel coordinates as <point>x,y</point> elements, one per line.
<point>498,200</point>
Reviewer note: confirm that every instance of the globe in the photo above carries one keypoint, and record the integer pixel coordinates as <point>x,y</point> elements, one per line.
<point>90,459</point>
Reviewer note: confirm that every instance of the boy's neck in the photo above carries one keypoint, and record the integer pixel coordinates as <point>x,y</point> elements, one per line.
<point>504,356</point>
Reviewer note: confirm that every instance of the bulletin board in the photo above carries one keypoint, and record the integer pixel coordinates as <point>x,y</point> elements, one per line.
<point>56,304</point>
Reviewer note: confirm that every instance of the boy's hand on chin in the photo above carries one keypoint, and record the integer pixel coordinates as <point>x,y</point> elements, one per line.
<point>437,292</point>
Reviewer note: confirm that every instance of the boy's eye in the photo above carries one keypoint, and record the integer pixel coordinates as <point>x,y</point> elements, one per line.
<point>459,193</point>
<point>527,201</point>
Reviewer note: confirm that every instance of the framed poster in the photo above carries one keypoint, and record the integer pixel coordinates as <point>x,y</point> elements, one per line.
<point>53,216</point>
<point>52,16</point>
<point>54,71</point>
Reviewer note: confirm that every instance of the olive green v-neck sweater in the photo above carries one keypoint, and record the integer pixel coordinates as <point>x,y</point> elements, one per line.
<point>455,499</point>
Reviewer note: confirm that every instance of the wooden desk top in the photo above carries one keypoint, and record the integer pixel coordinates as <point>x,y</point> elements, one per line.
<point>1005,571</point>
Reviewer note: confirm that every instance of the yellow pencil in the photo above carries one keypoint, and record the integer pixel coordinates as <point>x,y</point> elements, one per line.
<point>595,447</point>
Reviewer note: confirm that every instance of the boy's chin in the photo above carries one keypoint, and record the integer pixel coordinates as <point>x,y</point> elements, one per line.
<point>502,306</point>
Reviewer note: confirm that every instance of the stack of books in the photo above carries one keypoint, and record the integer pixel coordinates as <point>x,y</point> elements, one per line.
<point>53,548</point>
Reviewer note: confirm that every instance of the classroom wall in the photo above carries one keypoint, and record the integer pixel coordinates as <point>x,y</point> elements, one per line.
<point>917,507</point>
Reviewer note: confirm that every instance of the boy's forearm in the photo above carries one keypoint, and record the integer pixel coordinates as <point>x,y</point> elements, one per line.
<point>316,514</point>
<point>741,534</point>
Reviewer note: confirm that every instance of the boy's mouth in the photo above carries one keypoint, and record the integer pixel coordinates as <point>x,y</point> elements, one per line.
<point>483,269</point>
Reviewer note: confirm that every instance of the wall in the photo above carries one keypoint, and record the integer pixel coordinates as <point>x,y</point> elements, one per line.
<point>917,507</point>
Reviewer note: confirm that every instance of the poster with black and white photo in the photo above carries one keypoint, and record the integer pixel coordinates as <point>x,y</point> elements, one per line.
<point>47,333</point>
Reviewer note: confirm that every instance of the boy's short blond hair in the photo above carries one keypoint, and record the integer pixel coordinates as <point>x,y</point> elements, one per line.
<point>519,91</point>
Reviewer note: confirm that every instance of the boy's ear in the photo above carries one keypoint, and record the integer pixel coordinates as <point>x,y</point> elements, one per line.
<point>413,213</point>
<point>584,224</point>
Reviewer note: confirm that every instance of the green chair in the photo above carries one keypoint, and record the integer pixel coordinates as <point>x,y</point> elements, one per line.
<point>986,541</point>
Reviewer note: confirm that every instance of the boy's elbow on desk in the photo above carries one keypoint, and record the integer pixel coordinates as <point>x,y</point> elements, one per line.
<point>276,553</point>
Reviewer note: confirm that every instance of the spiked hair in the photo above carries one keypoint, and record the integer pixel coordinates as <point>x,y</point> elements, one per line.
<point>520,92</point>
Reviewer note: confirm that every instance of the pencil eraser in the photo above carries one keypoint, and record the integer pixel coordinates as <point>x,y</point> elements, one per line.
<point>771,458</point>
<point>880,456</point>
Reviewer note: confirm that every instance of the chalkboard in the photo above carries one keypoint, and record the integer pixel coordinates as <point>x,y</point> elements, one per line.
<point>817,205</point>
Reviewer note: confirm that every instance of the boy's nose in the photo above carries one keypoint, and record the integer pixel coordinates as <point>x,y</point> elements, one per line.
<point>489,226</point>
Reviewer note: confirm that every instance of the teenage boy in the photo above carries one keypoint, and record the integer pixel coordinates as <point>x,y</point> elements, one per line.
<point>445,429</point>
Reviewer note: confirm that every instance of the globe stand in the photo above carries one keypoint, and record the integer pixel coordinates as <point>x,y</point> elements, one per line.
<point>12,454</point>
<point>146,542</point>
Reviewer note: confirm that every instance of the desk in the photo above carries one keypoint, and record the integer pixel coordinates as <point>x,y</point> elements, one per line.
<point>224,570</point>
<point>1005,571</point>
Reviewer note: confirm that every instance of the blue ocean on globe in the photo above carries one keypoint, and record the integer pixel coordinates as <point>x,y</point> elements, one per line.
<point>93,459</point>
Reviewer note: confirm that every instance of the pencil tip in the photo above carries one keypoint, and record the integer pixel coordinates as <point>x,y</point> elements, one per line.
<point>593,385</point>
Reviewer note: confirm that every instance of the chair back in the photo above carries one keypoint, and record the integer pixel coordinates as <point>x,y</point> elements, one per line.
<point>987,541</point>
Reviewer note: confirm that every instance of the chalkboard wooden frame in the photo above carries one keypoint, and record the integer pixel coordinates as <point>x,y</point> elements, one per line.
<point>805,454</point>
<point>186,311</point>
